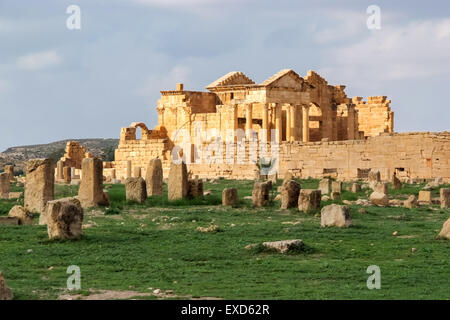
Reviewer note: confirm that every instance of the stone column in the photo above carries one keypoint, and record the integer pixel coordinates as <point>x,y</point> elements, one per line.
<point>59,170</point>
<point>128,169</point>
<point>305,123</point>
<point>278,122</point>
<point>248,120</point>
<point>293,122</point>
<point>136,172</point>
<point>265,122</point>
<point>67,174</point>
<point>113,174</point>
<point>5,187</point>
<point>350,122</point>
<point>288,123</point>
<point>9,169</point>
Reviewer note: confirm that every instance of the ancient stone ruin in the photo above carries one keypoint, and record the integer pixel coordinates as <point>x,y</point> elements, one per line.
<point>9,169</point>
<point>261,193</point>
<point>380,195</point>
<point>5,291</point>
<point>64,218</point>
<point>445,197</point>
<point>136,189</point>
<point>154,178</point>
<point>39,184</point>
<point>445,232</point>
<point>335,215</point>
<point>5,186</point>
<point>229,196</point>
<point>309,200</point>
<point>325,186</point>
<point>91,192</point>
<point>177,184</point>
<point>289,194</point>
<point>195,188</point>
<point>22,214</point>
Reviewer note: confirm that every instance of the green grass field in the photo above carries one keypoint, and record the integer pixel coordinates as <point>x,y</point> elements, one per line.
<point>156,245</point>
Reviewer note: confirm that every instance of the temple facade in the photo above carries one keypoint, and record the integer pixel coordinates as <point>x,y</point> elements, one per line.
<point>287,110</point>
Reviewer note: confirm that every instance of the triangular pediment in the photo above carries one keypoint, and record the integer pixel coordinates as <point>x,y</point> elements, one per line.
<point>233,78</point>
<point>286,78</point>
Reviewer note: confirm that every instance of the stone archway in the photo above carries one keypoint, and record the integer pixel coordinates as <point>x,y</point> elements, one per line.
<point>144,130</point>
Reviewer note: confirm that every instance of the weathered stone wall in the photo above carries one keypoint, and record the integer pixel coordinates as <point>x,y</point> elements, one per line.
<point>75,153</point>
<point>140,152</point>
<point>374,116</point>
<point>418,155</point>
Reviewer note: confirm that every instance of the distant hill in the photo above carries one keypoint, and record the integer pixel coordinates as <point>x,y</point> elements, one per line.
<point>55,150</point>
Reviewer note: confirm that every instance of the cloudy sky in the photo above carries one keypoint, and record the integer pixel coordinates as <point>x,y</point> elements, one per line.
<point>57,83</point>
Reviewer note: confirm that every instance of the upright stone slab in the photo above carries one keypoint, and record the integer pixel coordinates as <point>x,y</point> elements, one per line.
<point>336,186</point>
<point>309,200</point>
<point>177,183</point>
<point>325,186</point>
<point>60,170</point>
<point>5,186</point>
<point>91,192</point>
<point>396,183</point>
<point>128,174</point>
<point>136,190</point>
<point>374,177</point>
<point>229,196</point>
<point>67,174</point>
<point>5,292</point>
<point>154,178</point>
<point>9,169</point>
<point>261,193</point>
<point>195,188</point>
<point>136,172</point>
<point>289,194</point>
<point>64,219</point>
<point>425,197</point>
<point>356,187</point>
<point>39,184</point>
<point>445,197</point>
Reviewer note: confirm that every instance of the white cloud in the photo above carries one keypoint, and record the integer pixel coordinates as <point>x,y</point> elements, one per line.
<point>345,24</point>
<point>186,3</point>
<point>155,83</point>
<point>39,60</point>
<point>414,51</point>
<point>5,86</point>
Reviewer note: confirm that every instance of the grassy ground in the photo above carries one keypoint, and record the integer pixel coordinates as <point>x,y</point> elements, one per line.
<point>134,247</point>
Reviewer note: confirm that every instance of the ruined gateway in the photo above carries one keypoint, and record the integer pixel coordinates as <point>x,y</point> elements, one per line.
<point>321,132</point>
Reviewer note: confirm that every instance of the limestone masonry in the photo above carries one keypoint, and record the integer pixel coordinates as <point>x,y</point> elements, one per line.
<point>318,131</point>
